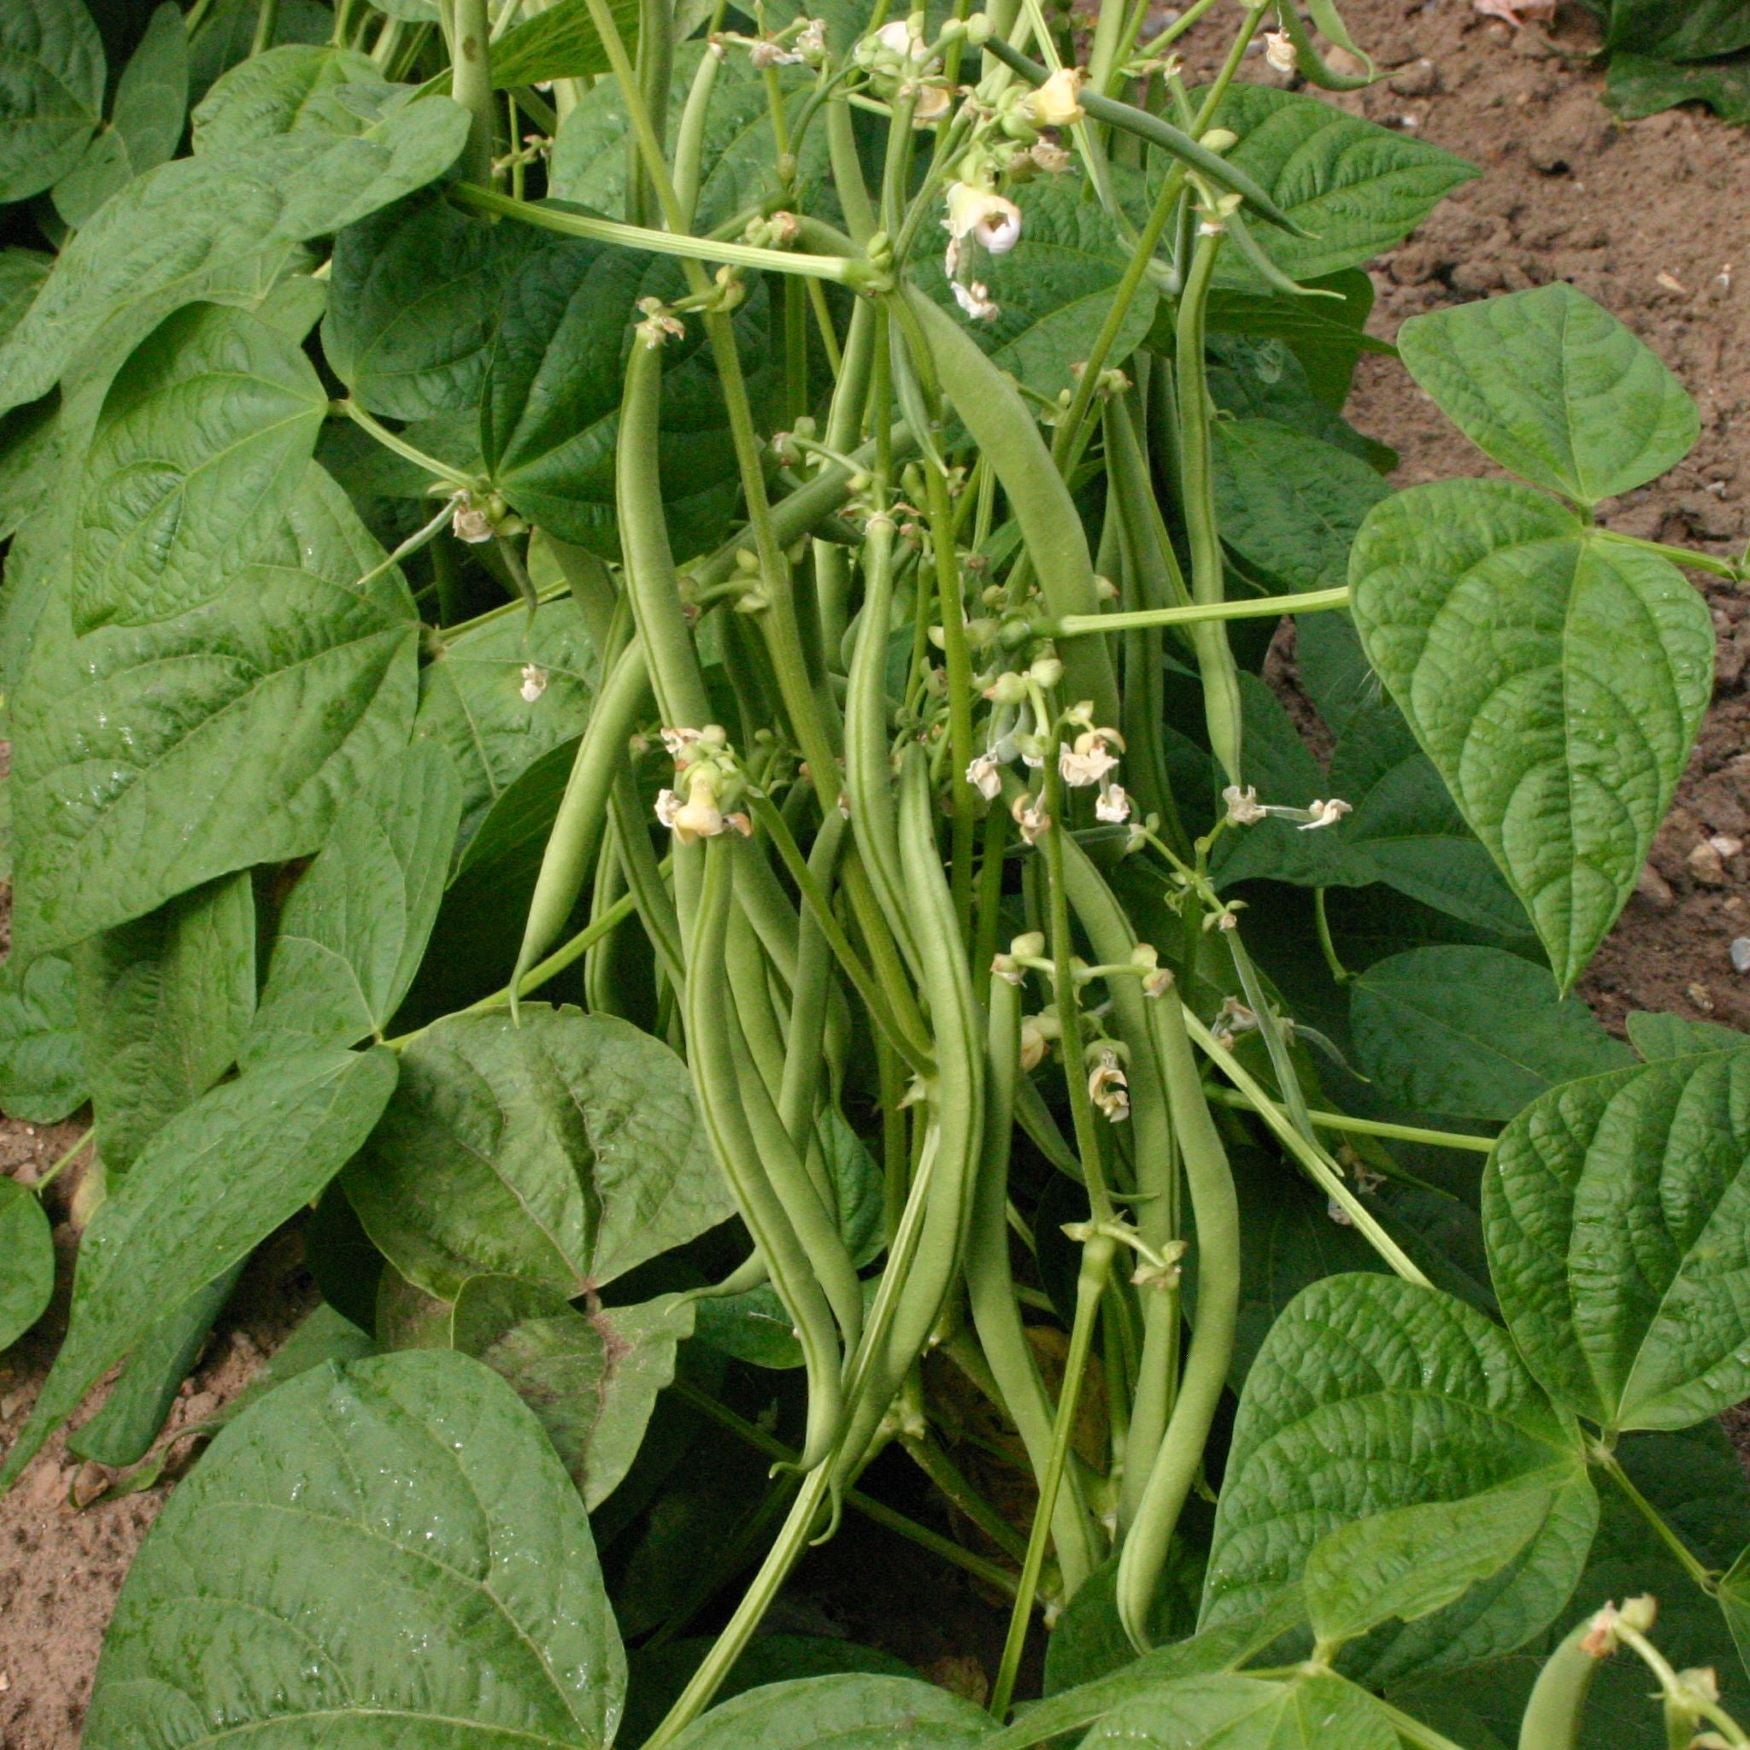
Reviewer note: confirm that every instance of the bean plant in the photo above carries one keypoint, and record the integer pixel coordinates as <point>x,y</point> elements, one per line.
<point>637,643</point>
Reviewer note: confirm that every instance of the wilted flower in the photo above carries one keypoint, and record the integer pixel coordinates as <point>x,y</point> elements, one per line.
<point>534,682</point>
<point>982,214</point>
<point>659,322</point>
<point>1056,104</point>
<point>1089,758</point>
<point>930,104</point>
<point>1326,814</point>
<point>1243,807</point>
<point>1108,1089</point>
<point>1280,52</point>
<point>1030,816</point>
<point>1034,1043</point>
<point>1113,805</point>
<point>470,521</point>
<point>975,300</point>
<point>985,776</point>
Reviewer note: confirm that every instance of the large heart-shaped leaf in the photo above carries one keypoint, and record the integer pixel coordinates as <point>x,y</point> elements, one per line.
<point>212,1184</point>
<point>592,1378</point>
<point>203,442</point>
<point>352,933</point>
<point>1230,1711</point>
<point>295,88</point>
<point>1370,1395</point>
<point>1617,1213</point>
<point>1355,187</point>
<point>42,1067</point>
<point>159,241</point>
<point>51,69</point>
<point>550,406</point>
<point>413,305</point>
<point>150,759</point>
<point>164,1003</point>
<point>145,123</point>
<point>500,695</point>
<point>562,1148</point>
<point>382,1553</point>
<point>852,1711</point>
<point>1555,678</point>
<point>1555,389</point>
<point>1474,1032</point>
<point>27,1261</point>
<point>1053,290</point>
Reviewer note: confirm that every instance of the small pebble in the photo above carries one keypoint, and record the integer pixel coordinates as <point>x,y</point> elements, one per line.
<point>1741,953</point>
<point>1706,864</point>
<point>1655,889</point>
<point>1702,997</point>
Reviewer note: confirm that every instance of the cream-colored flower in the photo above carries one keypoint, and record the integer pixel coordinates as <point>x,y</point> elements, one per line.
<point>470,522</point>
<point>534,682</point>
<point>1243,807</point>
<point>1326,814</point>
<point>1108,1089</point>
<point>982,214</point>
<point>1029,815</point>
<point>1113,805</point>
<point>1088,758</point>
<point>1280,52</point>
<point>1057,103</point>
<point>930,104</point>
<point>985,775</point>
<point>1034,1043</point>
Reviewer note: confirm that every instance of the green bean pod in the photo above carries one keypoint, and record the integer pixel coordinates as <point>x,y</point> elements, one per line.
<point>812,991</point>
<point>989,405</point>
<point>600,979</point>
<point>689,139</point>
<point>1556,1708</point>
<point>721,1087</point>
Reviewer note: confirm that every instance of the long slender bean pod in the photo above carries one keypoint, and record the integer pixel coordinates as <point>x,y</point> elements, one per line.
<point>812,991</point>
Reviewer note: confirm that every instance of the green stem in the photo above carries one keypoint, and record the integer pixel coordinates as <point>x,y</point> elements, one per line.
<point>946,1475</point>
<point>1365,1126</point>
<point>1684,556</point>
<point>1686,1558</point>
<point>1267,607</point>
<point>394,441</point>
<point>65,1161</point>
<point>1327,946</point>
<point>1090,1288</point>
<point>267,13</point>
<point>471,82</point>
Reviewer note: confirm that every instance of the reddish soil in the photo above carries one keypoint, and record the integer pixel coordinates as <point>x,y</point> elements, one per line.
<point>1651,219</point>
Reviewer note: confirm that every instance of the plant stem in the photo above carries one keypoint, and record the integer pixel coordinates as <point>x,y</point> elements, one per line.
<point>267,14</point>
<point>65,1161</point>
<point>471,83</point>
<point>1686,1557</point>
<point>1339,972</point>
<point>1090,1288</point>
<point>408,453</point>
<point>1684,556</point>
<point>1366,1126</point>
<point>954,1487</point>
<point>1266,607</point>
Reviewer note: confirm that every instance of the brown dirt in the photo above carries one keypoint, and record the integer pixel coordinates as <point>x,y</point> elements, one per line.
<point>1653,220</point>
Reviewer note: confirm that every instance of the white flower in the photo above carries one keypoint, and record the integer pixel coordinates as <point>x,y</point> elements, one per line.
<point>931,103</point>
<point>1089,758</point>
<point>985,775</point>
<point>534,682</point>
<point>1056,104</point>
<point>668,805</point>
<point>469,521</point>
<point>1326,814</point>
<point>1243,807</point>
<point>1029,815</point>
<point>1113,805</point>
<point>1108,1089</point>
<point>1280,52</point>
<point>975,300</point>
<point>984,215</point>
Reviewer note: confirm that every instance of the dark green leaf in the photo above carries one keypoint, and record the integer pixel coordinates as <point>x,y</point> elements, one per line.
<point>414,303</point>
<point>213,1183</point>
<point>847,1712</point>
<point>1372,1394</point>
<point>1261,377</point>
<point>1674,1036</point>
<point>227,35</point>
<point>592,1378</point>
<point>1554,388</point>
<point>561,43</point>
<point>159,242</point>
<point>27,1261</point>
<point>1089,1642</point>
<point>386,1552</point>
<point>1475,1032</point>
<point>1325,335</point>
<point>1617,1212</point>
<point>1679,30</point>
<point>296,88</point>
<point>22,272</point>
<point>1638,85</point>
<point>499,696</point>
<point>562,1150</point>
<point>42,1068</point>
<point>204,440</point>
<point>353,932</point>
<point>146,763</point>
<point>164,1003</point>
<point>1356,187</point>
<point>51,69</point>
<point>1556,680</point>
<point>1235,1712</point>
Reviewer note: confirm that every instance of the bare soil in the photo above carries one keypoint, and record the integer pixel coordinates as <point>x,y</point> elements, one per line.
<point>1653,220</point>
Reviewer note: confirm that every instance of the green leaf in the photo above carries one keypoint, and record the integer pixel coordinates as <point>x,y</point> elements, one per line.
<point>145,124</point>
<point>1235,1712</point>
<point>1372,1394</point>
<point>164,1003</point>
<point>212,1184</point>
<point>27,1261</point>
<point>204,440</point>
<point>296,88</point>
<point>1639,85</point>
<point>1357,188</point>
<point>227,35</point>
<point>1326,336</point>
<point>550,408</point>
<point>1735,1603</point>
<point>562,1150</point>
<point>847,1712</point>
<point>475,698</point>
<point>1555,389</point>
<point>1474,1032</point>
<point>147,762</point>
<point>42,1068</point>
<point>414,302</point>
<point>51,69</point>
<point>592,1378</point>
<point>1088,1641</point>
<point>738,156</point>
<point>1289,504</point>
<point>353,932</point>
<point>22,272</point>
<point>1556,679</point>
<point>561,43</point>
<point>1263,378</point>
<point>1674,1036</point>
<point>1414,1560</point>
<point>1053,290</point>
<point>386,1552</point>
<point>1679,30</point>
<point>1616,1214</point>
<point>159,242</point>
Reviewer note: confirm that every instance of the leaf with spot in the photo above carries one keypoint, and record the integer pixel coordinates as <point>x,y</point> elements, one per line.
<point>375,1553</point>
<point>562,1150</point>
<point>1556,679</point>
